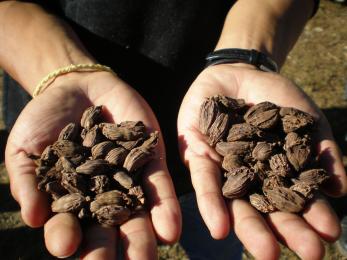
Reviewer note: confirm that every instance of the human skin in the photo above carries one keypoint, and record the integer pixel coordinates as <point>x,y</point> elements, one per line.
<point>272,27</point>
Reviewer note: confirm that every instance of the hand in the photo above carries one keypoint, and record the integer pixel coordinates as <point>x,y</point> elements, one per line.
<point>39,125</point>
<point>300,233</point>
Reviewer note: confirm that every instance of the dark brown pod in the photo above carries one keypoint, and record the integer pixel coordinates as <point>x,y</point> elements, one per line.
<point>91,117</point>
<point>123,179</point>
<point>112,215</point>
<point>262,151</point>
<point>99,151</point>
<point>93,137</point>
<point>218,128</point>
<point>261,203</point>
<point>242,131</point>
<point>69,132</point>
<point>97,166</point>
<point>314,177</point>
<point>285,199</point>
<point>238,185</point>
<point>117,156</point>
<point>99,184</point>
<point>231,161</point>
<point>295,119</point>
<point>298,150</point>
<point>280,165</point>
<point>263,115</point>
<point>236,148</point>
<point>68,203</point>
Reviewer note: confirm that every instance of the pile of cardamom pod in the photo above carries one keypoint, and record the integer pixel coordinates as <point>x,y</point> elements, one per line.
<point>267,150</point>
<point>94,168</point>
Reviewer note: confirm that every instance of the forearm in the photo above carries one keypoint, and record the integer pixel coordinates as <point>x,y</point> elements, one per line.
<point>34,43</point>
<point>270,26</point>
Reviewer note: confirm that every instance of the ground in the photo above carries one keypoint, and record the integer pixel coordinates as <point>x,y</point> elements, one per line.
<point>318,63</point>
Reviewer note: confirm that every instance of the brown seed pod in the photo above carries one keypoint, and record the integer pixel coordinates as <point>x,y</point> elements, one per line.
<point>238,185</point>
<point>304,189</point>
<point>218,129</point>
<point>243,131</point>
<point>67,148</point>
<point>285,199</point>
<point>280,165</point>
<point>99,184</point>
<point>68,203</point>
<point>97,166</point>
<point>113,197</point>
<point>123,179</point>
<point>117,156</point>
<point>263,115</point>
<point>91,117</point>
<point>118,133</point>
<point>295,119</point>
<point>99,151</point>
<point>298,150</point>
<point>261,203</point>
<point>231,161</point>
<point>208,113</point>
<point>69,132</point>
<point>73,182</point>
<point>112,215</point>
<point>92,137</point>
<point>236,148</point>
<point>314,177</point>
<point>262,151</point>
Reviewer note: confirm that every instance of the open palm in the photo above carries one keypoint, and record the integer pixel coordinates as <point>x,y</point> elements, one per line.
<point>258,234</point>
<point>39,125</point>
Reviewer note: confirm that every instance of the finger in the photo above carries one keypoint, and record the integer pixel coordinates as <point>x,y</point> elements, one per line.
<point>164,207</point>
<point>295,233</point>
<point>99,243</point>
<point>62,235</point>
<point>252,230</point>
<point>323,219</point>
<point>206,181</point>
<point>34,204</point>
<point>330,159</point>
<point>138,238</point>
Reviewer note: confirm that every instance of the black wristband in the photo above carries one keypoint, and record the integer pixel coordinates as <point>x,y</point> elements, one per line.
<point>253,57</point>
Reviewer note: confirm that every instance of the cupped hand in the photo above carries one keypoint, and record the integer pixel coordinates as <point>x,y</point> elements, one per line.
<point>39,124</point>
<point>301,233</point>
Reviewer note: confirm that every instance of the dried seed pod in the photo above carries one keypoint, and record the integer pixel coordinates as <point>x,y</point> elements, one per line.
<point>48,156</point>
<point>218,129</point>
<point>209,111</point>
<point>78,159</point>
<point>314,177</point>
<point>49,176</point>
<point>139,156</point>
<point>280,165</point>
<point>129,145</point>
<point>294,119</point>
<point>93,137</point>
<point>118,133</point>
<point>298,150</point>
<point>236,148</point>
<point>138,193</point>
<point>67,148</point>
<point>69,132</point>
<point>262,151</point>
<point>263,115</point>
<point>285,199</point>
<point>242,131</point>
<point>73,182</point>
<point>91,117</point>
<point>99,151</point>
<point>272,182</point>
<point>304,189</point>
<point>112,215</point>
<point>117,156</point>
<point>261,169</point>
<point>123,179</point>
<point>136,126</point>
<point>66,164</point>
<point>238,185</point>
<point>261,203</point>
<point>230,104</point>
<point>113,197</point>
<point>99,184</point>
<point>55,189</point>
<point>68,203</point>
<point>231,161</point>
<point>97,166</point>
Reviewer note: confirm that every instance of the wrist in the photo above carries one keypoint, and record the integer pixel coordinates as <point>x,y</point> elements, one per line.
<point>268,26</point>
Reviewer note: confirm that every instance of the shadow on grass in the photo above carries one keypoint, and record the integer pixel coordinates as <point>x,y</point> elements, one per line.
<point>7,203</point>
<point>3,140</point>
<point>23,243</point>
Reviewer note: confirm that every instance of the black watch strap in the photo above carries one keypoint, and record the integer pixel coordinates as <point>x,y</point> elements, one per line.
<point>253,57</point>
